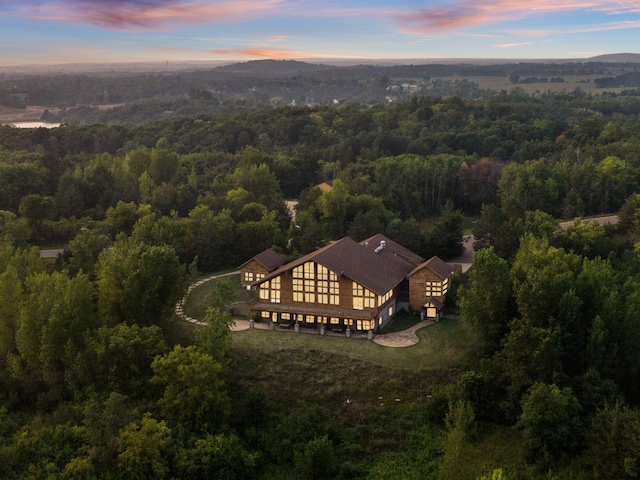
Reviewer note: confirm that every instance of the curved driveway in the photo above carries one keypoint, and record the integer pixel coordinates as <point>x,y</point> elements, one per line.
<point>405,338</point>
<point>180,305</point>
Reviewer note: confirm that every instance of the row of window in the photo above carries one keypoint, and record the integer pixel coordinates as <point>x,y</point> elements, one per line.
<point>322,320</point>
<point>384,298</point>
<point>328,291</point>
<point>249,277</point>
<point>437,289</point>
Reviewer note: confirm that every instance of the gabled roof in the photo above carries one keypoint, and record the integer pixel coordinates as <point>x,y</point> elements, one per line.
<point>374,242</point>
<point>437,266</point>
<point>435,302</point>
<point>378,272</point>
<point>268,259</point>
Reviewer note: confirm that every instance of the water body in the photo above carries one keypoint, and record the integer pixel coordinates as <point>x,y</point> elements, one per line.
<point>35,125</point>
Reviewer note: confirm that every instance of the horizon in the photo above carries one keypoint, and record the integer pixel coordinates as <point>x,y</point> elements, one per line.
<point>186,64</point>
<point>58,32</point>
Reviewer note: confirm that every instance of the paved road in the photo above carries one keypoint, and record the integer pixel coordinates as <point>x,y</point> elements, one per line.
<point>51,253</point>
<point>466,258</point>
<point>611,219</point>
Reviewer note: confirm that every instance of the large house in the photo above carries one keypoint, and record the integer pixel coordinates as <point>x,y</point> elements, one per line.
<point>352,285</point>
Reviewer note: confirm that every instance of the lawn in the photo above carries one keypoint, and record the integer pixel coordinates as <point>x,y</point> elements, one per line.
<point>401,321</point>
<point>441,346</point>
<point>200,297</point>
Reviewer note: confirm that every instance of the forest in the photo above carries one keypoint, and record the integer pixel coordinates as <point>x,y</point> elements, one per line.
<point>120,96</point>
<point>98,379</point>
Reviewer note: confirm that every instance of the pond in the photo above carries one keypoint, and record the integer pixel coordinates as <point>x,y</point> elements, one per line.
<point>34,125</point>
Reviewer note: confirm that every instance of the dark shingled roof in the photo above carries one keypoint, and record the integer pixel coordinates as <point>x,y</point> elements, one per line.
<point>268,259</point>
<point>374,242</point>
<point>439,267</point>
<point>378,272</point>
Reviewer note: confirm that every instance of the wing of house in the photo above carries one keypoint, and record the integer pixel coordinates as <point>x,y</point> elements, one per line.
<point>429,283</point>
<point>346,285</point>
<point>260,266</point>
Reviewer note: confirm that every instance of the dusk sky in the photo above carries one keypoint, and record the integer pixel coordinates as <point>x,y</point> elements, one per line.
<point>101,31</point>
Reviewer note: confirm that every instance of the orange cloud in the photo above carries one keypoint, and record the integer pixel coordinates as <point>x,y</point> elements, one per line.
<point>263,52</point>
<point>149,14</point>
<point>276,54</point>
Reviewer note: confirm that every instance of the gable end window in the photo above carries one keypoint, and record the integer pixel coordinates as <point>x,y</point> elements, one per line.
<point>314,283</point>
<point>270,290</point>
<point>362,298</point>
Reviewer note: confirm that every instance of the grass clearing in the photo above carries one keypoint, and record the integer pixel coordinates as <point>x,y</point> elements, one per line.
<point>200,297</point>
<point>440,347</point>
<point>366,397</point>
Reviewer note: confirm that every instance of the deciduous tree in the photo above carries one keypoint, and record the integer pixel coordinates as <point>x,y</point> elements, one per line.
<point>138,283</point>
<point>194,396</point>
<point>550,423</point>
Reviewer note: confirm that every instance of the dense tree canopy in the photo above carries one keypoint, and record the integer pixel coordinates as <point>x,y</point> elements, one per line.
<point>98,381</point>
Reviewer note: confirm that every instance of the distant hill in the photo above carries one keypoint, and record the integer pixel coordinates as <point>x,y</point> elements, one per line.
<point>272,67</point>
<point>617,58</point>
<point>111,68</point>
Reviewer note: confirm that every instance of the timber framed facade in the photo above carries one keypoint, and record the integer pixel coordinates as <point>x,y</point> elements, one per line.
<point>259,267</point>
<point>350,285</point>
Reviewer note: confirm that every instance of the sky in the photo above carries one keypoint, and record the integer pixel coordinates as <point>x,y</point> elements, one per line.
<point>105,31</point>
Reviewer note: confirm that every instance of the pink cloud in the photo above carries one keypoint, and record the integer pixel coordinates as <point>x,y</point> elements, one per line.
<point>604,27</point>
<point>511,45</point>
<point>165,49</point>
<point>468,13</point>
<point>81,51</point>
<point>148,14</point>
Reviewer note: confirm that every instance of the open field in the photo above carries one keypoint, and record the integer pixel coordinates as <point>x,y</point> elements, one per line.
<point>30,114</point>
<point>585,82</point>
<point>33,113</point>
